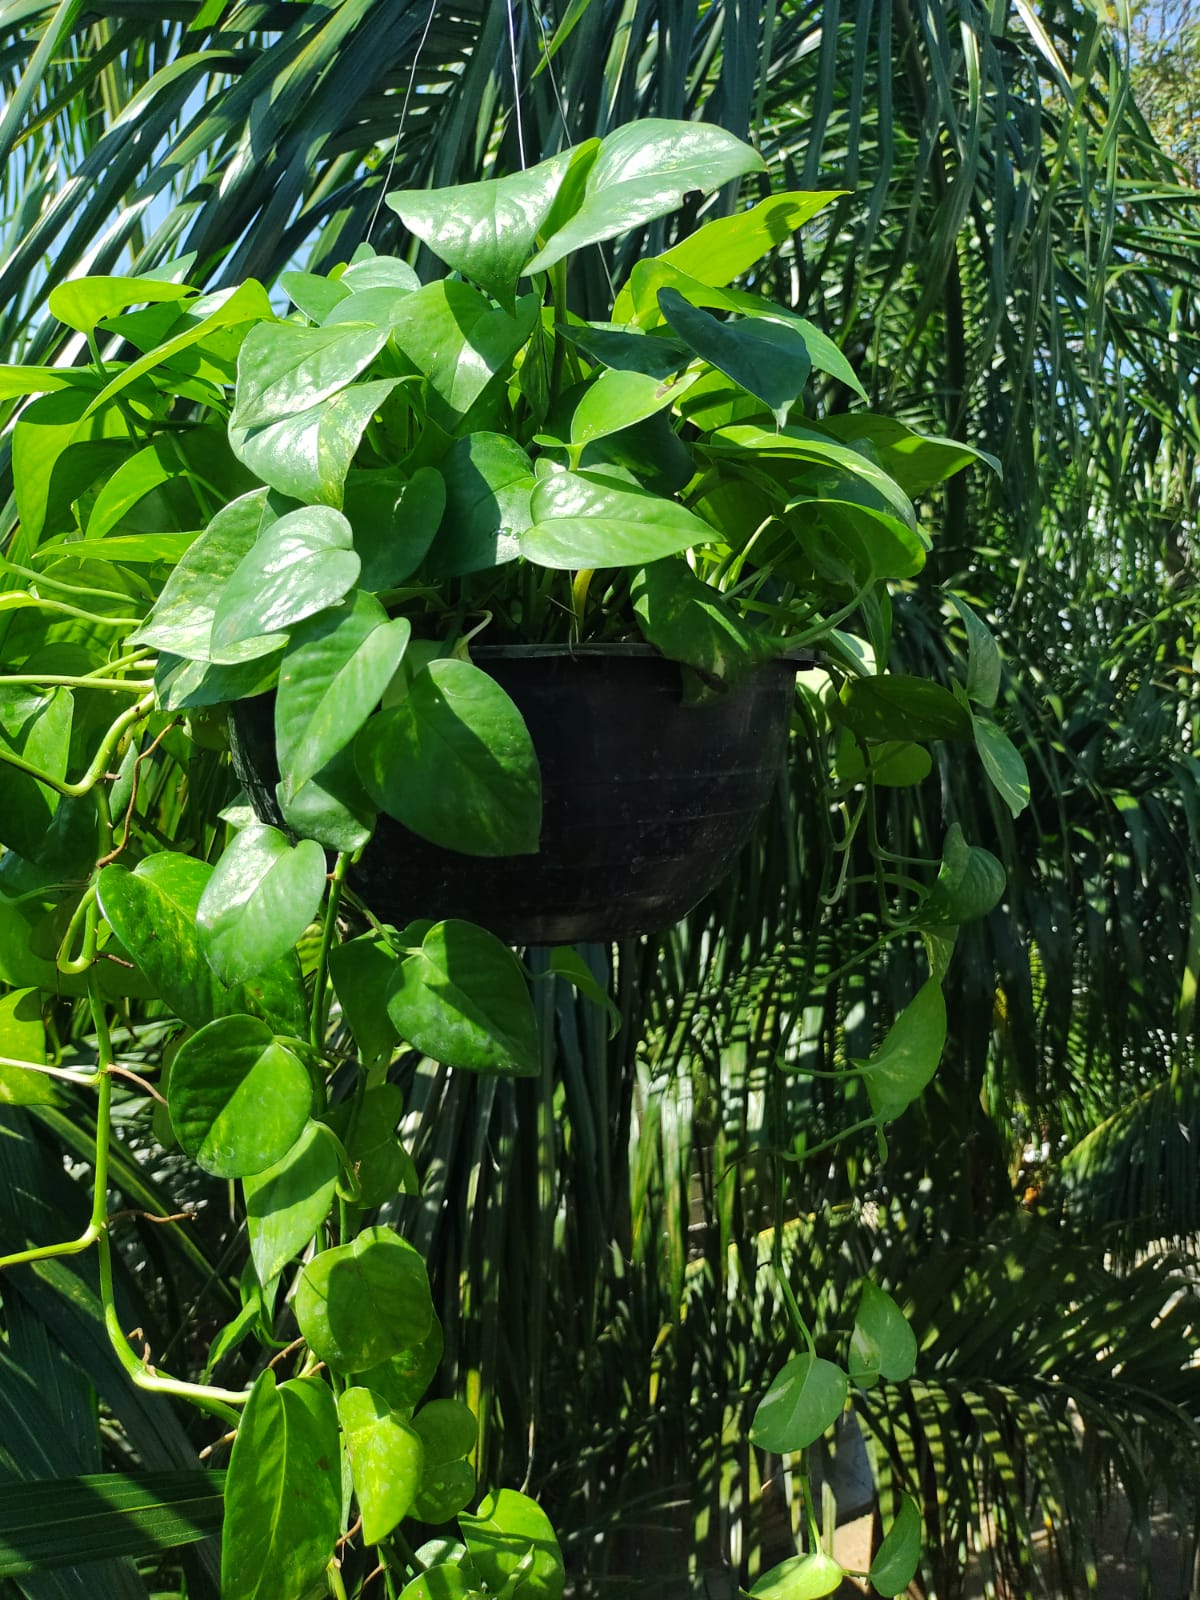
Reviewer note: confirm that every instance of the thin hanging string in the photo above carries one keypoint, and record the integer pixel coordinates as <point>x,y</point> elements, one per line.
<point>408,94</point>
<point>548,59</point>
<point>516,82</point>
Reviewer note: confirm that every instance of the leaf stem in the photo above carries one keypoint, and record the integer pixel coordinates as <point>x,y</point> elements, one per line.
<point>320,1003</point>
<point>100,762</point>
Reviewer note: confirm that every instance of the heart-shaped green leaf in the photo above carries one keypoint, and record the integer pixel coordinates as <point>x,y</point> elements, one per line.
<point>444,1492</point>
<point>882,1344</point>
<point>404,1378</point>
<point>297,566</point>
<point>461,343</point>
<point>448,1429</point>
<point>332,677</point>
<point>446,1582</point>
<point>332,807</point>
<point>360,1303</point>
<point>308,455</point>
<point>983,658</point>
<point>897,706</point>
<point>511,1537</point>
<point>584,519</point>
<point>387,1460</point>
<point>726,247</point>
<point>454,762</point>
<point>283,1492</point>
<point>182,617</point>
<point>380,1166</point>
<point>487,230</point>
<point>285,369</point>
<point>287,1202</point>
<point>970,882</point>
<point>35,727</point>
<point>394,520</point>
<point>153,912</point>
<point>896,1560</point>
<point>262,895</point>
<point>800,1578</point>
<point>361,971</point>
<point>238,1098</point>
<point>909,1055</point>
<point>83,302</point>
<point>1003,763</point>
<point>766,358</point>
<point>618,399</point>
<point>23,1038</point>
<point>489,480</point>
<point>462,999</point>
<point>806,1397</point>
<point>688,621</point>
<point>641,172</point>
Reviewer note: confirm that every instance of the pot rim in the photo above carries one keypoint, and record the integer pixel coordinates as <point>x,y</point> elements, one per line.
<point>635,650</point>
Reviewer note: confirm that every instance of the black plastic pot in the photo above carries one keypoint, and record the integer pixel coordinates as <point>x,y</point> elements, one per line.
<point>647,800</point>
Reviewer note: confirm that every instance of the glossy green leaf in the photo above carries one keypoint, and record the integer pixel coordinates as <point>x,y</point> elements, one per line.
<point>800,1578</point>
<point>896,1560</point>
<point>307,455</point>
<point>35,727</point>
<point>83,302</point>
<point>654,355</point>
<point>332,677</point>
<point>248,303</point>
<point>67,1522</point>
<point>387,1460</point>
<point>379,272</point>
<point>23,1038</point>
<point>285,369</point>
<point>283,1492</point>
<point>262,895</point>
<point>1003,763</point>
<point>361,971</point>
<point>445,1582</point>
<point>726,247</point>
<point>882,1344</point>
<point>487,230</point>
<point>805,1398</point>
<point>18,381</point>
<point>461,343</point>
<point>445,1490</point>
<point>983,658</point>
<point>909,1055</point>
<point>311,293</point>
<point>917,461</point>
<point>448,1430</point>
<point>584,519</point>
<point>567,963</point>
<point>239,1099</point>
<point>512,1540</point>
<point>152,910</point>
<point>360,1303</point>
<point>807,447</point>
<point>380,1166</point>
<point>454,762</point>
<point>642,172</point>
<point>768,359</point>
<point>687,620</point>
<point>332,807</point>
<point>899,707</point>
<point>894,764</point>
<point>299,564</point>
<point>394,520</point>
<point>181,619</point>
<point>287,1202</point>
<point>618,399</point>
<point>462,999</point>
<point>970,882</point>
<point>489,480</point>
<point>404,1378</point>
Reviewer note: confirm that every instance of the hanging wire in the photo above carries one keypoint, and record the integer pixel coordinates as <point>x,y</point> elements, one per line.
<point>408,94</point>
<point>516,81</point>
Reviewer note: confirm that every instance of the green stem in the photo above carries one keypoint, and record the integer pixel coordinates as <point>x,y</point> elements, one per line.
<point>828,1144</point>
<point>810,1510</point>
<point>319,1014</point>
<point>40,604</point>
<point>102,758</point>
<point>50,681</point>
<point>336,1587</point>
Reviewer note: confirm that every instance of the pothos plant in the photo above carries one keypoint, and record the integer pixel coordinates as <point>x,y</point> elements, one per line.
<point>230,498</point>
